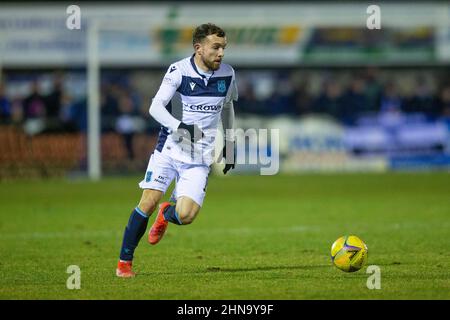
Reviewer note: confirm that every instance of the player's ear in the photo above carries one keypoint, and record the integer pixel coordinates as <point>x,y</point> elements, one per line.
<point>198,48</point>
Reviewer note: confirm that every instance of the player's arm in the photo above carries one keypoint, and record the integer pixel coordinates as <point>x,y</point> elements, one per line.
<point>229,149</point>
<point>228,152</point>
<point>169,85</point>
<point>228,110</point>
<point>158,111</point>
<point>228,120</point>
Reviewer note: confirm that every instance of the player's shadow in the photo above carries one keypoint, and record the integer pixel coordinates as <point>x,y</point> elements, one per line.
<point>265,268</point>
<point>224,269</point>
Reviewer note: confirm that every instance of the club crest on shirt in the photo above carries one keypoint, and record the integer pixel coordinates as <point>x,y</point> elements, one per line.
<point>221,86</point>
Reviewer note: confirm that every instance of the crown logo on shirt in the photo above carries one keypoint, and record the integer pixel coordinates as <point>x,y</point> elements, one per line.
<point>192,84</point>
<point>221,86</point>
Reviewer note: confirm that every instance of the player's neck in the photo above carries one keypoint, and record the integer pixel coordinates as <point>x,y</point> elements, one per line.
<point>200,65</point>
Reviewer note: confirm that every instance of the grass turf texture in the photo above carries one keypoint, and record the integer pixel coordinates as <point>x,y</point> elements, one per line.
<point>257,237</point>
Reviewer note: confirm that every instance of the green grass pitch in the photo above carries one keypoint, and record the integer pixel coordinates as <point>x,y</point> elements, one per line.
<point>257,237</point>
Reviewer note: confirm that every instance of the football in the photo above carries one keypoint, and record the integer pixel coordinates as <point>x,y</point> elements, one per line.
<point>349,253</point>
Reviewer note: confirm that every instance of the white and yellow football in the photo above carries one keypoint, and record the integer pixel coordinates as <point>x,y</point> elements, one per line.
<point>349,253</point>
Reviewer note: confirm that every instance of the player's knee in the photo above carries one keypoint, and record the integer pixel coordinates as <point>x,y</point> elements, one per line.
<point>148,205</point>
<point>149,201</point>
<point>187,219</point>
<point>187,216</point>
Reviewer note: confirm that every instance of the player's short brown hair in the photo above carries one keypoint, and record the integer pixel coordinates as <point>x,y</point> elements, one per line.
<point>204,30</point>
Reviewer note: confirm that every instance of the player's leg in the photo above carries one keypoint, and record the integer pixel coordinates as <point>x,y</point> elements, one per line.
<point>186,209</point>
<point>137,224</point>
<point>189,192</point>
<point>158,177</point>
<point>135,229</point>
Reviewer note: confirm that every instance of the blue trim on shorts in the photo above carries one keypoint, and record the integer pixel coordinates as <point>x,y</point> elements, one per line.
<point>162,138</point>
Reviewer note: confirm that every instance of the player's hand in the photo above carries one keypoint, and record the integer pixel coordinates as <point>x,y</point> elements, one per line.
<point>190,132</point>
<point>230,161</point>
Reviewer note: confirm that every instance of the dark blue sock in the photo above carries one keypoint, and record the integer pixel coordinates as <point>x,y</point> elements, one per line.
<point>172,216</point>
<point>133,233</point>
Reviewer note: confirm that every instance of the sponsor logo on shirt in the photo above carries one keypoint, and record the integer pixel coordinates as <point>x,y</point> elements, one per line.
<point>161,179</point>
<point>202,107</point>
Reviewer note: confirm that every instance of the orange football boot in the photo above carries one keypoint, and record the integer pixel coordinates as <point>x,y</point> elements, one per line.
<point>124,269</point>
<point>159,226</point>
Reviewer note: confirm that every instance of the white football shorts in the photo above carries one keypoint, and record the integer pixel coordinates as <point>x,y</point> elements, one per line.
<point>191,179</point>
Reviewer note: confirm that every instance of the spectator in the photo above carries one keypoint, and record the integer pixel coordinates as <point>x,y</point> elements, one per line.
<point>53,105</point>
<point>17,116</point>
<point>78,115</point>
<point>282,100</point>
<point>54,98</point>
<point>126,123</point>
<point>373,90</point>
<point>34,104</point>
<point>422,100</point>
<point>444,103</point>
<point>390,100</point>
<point>34,111</point>
<point>5,106</point>
<point>330,100</point>
<point>303,100</point>
<point>65,116</point>
<point>355,100</point>
<point>247,103</point>
<point>110,106</point>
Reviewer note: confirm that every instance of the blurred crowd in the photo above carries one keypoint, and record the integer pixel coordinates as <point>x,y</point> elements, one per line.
<point>126,96</point>
<point>346,95</point>
<point>58,110</point>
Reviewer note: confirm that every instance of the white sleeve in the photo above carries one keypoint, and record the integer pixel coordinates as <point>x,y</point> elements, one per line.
<point>228,120</point>
<point>232,93</point>
<point>169,85</point>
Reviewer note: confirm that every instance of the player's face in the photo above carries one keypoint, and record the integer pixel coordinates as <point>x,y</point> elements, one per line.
<point>211,51</point>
